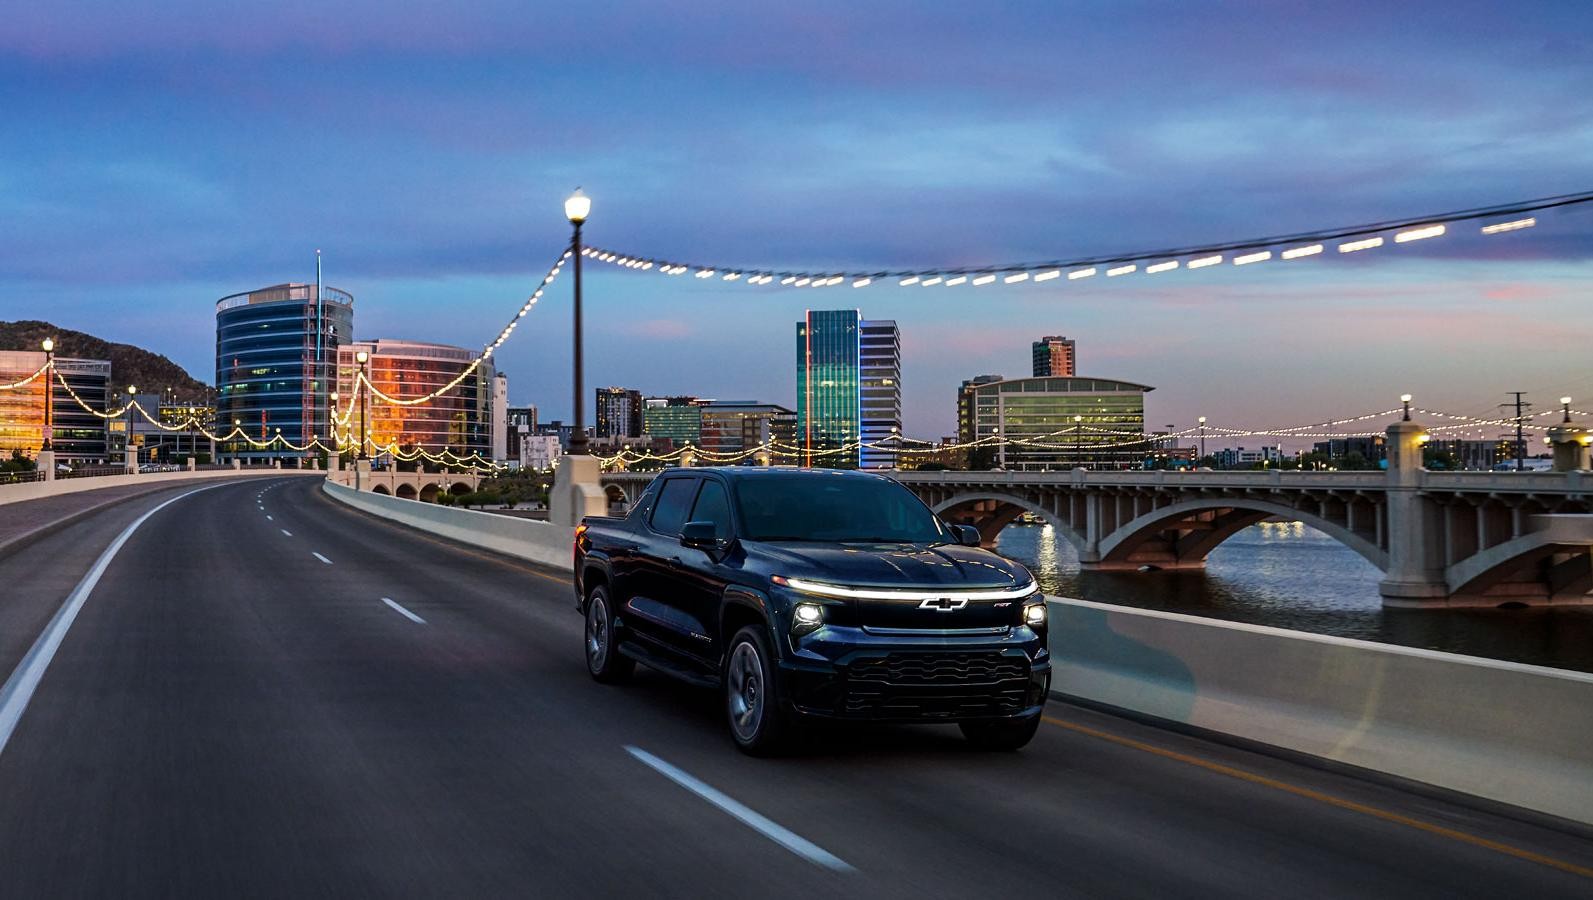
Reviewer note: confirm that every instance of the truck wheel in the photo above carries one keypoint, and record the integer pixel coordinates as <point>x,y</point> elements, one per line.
<point>752,703</point>
<point>603,658</point>
<point>1005,734</point>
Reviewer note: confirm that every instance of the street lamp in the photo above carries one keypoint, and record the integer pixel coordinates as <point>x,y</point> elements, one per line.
<point>331,422</point>
<point>130,458</point>
<point>1405,399</point>
<point>49,395</point>
<point>237,426</point>
<point>576,208</point>
<point>363,359</point>
<point>1565,405</point>
<point>1202,423</point>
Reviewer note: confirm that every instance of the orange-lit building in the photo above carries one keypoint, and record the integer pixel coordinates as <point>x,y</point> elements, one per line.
<point>79,435</point>
<point>460,420</point>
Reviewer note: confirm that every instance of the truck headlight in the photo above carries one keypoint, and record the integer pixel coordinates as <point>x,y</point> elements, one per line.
<point>1034,615</point>
<point>806,617</point>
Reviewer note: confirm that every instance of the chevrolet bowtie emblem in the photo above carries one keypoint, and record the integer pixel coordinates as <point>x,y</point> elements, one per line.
<point>943,604</point>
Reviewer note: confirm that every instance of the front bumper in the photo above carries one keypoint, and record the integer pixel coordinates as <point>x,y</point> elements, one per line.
<point>850,673</point>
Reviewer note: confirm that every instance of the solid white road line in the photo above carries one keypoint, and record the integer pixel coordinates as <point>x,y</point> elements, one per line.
<point>404,612</point>
<point>797,844</point>
<point>19,688</point>
<point>320,557</point>
<point>286,532</point>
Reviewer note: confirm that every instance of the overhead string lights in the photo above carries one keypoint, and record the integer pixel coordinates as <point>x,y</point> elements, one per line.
<point>1494,220</point>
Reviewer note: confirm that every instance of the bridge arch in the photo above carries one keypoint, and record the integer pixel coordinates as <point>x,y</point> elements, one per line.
<point>405,491</point>
<point>429,492</point>
<point>1156,539</point>
<point>1551,564</point>
<point>459,487</point>
<point>991,511</point>
<point>381,489</point>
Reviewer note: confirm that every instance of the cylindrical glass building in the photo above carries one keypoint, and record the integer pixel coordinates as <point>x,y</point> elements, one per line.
<point>276,365</point>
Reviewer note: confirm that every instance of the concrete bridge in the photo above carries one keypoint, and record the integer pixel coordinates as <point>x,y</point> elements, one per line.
<point>423,486</point>
<point>1440,538</point>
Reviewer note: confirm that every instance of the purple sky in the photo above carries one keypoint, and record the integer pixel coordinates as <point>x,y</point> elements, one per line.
<point>158,158</point>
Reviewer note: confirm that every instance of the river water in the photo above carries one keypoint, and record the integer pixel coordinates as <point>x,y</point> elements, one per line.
<point>1286,575</point>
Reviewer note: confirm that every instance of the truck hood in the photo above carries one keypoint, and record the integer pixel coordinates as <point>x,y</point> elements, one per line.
<point>894,565</point>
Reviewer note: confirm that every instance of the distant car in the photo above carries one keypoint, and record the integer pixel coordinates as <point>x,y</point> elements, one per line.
<point>807,594</point>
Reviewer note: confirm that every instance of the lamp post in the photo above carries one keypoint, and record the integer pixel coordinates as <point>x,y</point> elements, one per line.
<point>237,427</point>
<point>49,395</point>
<point>130,458</point>
<point>1078,441</point>
<point>331,427</point>
<point>1202,422</point>
<point>576,208</point>
<point>363,359</point>
<point>1565,407</point>
<point>1405,399</point>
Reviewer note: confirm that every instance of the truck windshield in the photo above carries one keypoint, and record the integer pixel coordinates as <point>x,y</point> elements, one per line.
<point>842,508</point>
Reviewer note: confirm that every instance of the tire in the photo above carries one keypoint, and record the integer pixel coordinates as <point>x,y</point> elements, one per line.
<point>603,659</point>
<point>1003,734</point>
<point>758,724</point>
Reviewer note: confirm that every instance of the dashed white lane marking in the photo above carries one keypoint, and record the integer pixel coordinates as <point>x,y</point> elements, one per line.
<point>286,532</point>
<point>320,557</point>
<point>19,688</point>
<point>790,840</point>
<point>269,519</point>
<point>403,612</point>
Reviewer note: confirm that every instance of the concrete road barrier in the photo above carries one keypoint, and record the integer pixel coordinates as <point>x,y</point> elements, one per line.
<point>528,539</point>
<point>1517,734</point>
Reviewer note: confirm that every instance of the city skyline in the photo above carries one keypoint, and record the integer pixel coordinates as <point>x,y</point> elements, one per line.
<point>440,160</point>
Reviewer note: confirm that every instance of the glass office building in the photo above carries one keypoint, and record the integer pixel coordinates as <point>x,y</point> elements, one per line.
<point>738,426</point>
<point>1108,433</point>
<point>677,418</point>
<point>79,435</point>
<point>276,358</point>
<point>458,420</point>
<point>848,388</point>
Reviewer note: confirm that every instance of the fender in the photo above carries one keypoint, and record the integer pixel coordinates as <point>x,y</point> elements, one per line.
<point>596,559</point>
<point>741,595</point>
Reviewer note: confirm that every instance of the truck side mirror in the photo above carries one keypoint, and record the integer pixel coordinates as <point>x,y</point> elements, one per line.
<point>700,536</point>
<point>967,535</point>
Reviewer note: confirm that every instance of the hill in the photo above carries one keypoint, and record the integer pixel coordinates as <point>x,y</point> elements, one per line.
<point>151,372</point>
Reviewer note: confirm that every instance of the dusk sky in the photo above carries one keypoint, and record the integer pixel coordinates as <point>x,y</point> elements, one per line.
<point>158,158</point>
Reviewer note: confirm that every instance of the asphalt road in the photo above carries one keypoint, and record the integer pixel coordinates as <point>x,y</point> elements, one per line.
<point>237,710</point>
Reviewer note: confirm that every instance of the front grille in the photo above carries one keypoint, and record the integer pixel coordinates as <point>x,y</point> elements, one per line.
<point>936,669</point>
<point>940,705</point>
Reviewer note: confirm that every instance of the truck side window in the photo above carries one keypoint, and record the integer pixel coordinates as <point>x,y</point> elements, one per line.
<point>713,506</point>
<point>669,513</point>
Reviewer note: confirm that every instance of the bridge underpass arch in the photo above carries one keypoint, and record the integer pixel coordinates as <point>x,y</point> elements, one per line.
<point>990,512</point>
<point>460,488</point>
<point>429,492</point>
<point>405,491</point>
<point>1182,535</point>
<point>381,489</point>
<point>1550,566</point>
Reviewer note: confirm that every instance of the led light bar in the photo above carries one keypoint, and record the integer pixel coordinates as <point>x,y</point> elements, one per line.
<point>984,279</point>
<point>823,589</point>
<point>911,279</point>
<point>1081,273</point>
<point>931,282</point>
<point>863,282</point>
<point>953,282</point>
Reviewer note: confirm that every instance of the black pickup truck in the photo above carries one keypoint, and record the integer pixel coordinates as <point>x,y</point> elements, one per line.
<point>805,593</point>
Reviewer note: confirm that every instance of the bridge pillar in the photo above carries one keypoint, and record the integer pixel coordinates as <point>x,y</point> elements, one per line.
<point>1090,553</point>
<point>688,458</point>
<point>362,474</point>
<point>577,491</point>
<point>46,463</point>
<point>1415,575</point>
<point>1570,448</point>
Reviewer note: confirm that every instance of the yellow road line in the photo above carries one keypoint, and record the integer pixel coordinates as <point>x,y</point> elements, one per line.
<point>1329,799</point>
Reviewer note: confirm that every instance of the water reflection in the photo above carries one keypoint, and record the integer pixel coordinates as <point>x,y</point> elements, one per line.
<point>1288,575</point>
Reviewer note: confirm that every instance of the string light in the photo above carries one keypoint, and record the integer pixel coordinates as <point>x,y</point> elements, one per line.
<point>1293,246</point>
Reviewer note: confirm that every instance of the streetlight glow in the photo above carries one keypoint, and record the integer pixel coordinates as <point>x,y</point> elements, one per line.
<point>49,345</point>
<point>577,207</point>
